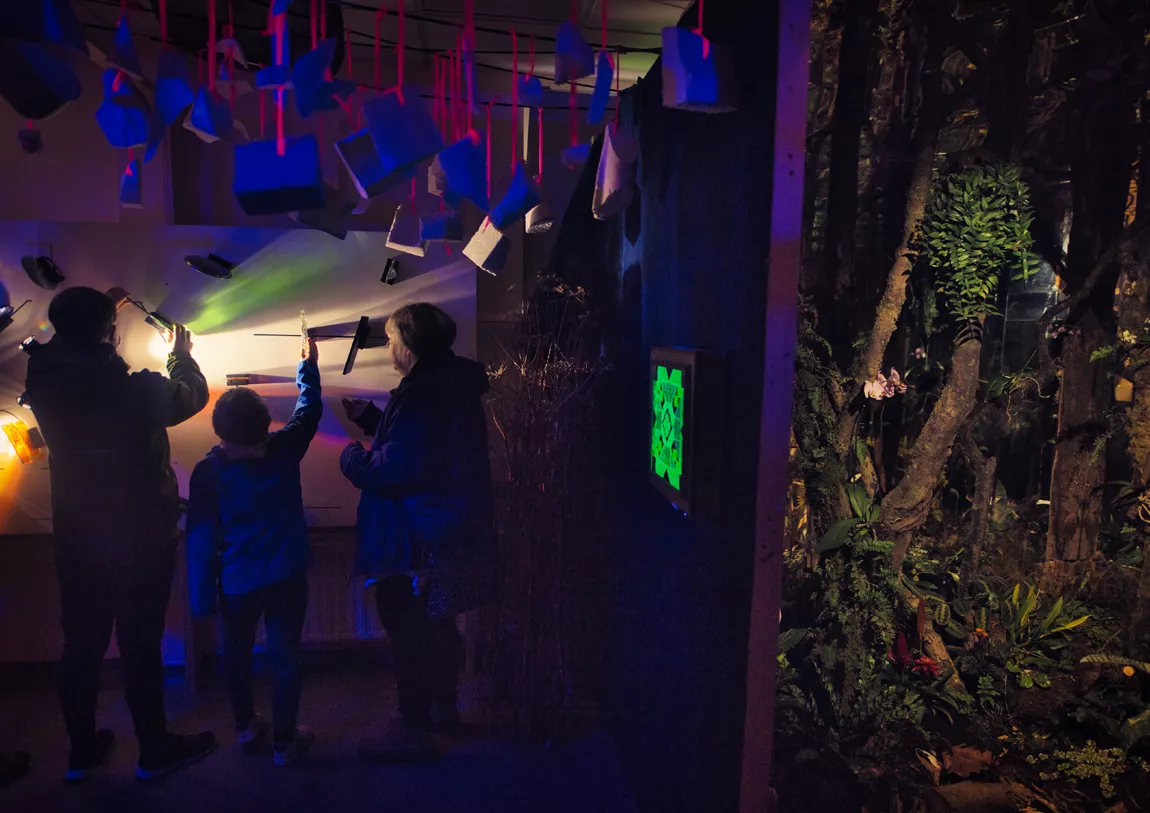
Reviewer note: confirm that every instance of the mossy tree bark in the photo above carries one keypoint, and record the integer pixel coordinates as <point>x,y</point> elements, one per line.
<point>906,507</point>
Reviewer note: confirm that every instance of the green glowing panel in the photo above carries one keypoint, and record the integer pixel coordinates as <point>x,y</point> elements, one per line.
<point>668,398</point>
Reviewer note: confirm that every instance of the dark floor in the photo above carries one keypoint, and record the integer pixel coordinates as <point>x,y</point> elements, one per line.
<point>475,776</point>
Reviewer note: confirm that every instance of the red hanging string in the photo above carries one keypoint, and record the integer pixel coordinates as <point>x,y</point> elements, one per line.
<point>539,119</point>
<point>377,59</point>
<point>399,51</point>
<point>413,195</point>
<point>323,34</point>
<point>574,10</point>
<point>131,157</point>
<point>455,122</point>
<point>489,151</point>
<point>281,144</point>
<point>604,5</point>
<point>119,80</point>
<point>435,100</point>
<point>514,98</point>
<point>347,50</point>
<point>699,31</point>
<point>212,45</point>
<point>231,20</point>
<point>123,9</point>
<point>232,77</point>
<point>314,32</point>
<point>468,54</point>
<point>31,124</point>
<point>618,70</point>
<point>532,70</point>
<point>164,21</point>
<point>571,110</point>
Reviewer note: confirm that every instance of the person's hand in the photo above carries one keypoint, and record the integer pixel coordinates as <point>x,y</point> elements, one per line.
<point>182,342</point>
<point>354,408</point>
<point>308,351</point>
<point>118,296</point>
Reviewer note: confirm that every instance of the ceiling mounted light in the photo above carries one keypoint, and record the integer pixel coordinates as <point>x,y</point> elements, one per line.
<point>43,271</point>
<point>211,266</point>
<point>390,271</point>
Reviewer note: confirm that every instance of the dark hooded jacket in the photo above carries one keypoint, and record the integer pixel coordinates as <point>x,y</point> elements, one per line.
<point>426,504</point>
<point>113,488</point>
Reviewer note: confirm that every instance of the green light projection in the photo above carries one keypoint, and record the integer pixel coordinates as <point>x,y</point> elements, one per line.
<point>667,399</point>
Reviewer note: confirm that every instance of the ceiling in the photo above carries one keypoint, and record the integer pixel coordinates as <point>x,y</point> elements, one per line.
<point>633,26</point>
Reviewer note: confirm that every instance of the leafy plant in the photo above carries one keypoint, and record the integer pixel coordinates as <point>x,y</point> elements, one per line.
<point>1032,644</point>
<point>865,516</point>
<point>977,227</point>
<point>1077,763</point>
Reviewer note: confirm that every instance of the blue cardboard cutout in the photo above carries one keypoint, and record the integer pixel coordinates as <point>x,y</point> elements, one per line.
<point>307,76</point>
<point>697,75</point>
<point>173,96</point>
<point>530,91</point>
<point>123,116</point>
<point>441,227</point>
<point>123,54</point>
<point>402,129</point>
<point>267,183</point>
<point>601,95</point>
<point>464,165</point>
<point>210,117</point>
<point>358,154</point>
<point>62,27</point>
<point>522,196</point>
<point>34,81</point>
<point>574,58</point>
<point>274,77</point>
<point>575,156</point>
<point>281,6</point>
<point>131,188</point>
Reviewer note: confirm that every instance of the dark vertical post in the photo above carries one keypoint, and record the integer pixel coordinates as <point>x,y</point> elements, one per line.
<point>778,374</point>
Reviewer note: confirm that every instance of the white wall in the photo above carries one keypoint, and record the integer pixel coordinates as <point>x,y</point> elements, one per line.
<point>280,272</point>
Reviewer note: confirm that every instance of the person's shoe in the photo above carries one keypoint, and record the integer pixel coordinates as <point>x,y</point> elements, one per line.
<point>285,754</point>
<point>249,736</point>
<point>82,764</point>
<point>172,753</point>
<point>400,743</point>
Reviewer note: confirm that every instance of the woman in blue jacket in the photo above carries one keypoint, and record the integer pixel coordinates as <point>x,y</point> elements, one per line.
<point>425,519</point>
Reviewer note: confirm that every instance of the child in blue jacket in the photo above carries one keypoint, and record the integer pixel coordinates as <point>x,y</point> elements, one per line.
<point>248,545</point>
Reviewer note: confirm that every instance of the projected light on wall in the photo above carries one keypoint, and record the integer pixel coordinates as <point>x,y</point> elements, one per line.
<point>686,413</point>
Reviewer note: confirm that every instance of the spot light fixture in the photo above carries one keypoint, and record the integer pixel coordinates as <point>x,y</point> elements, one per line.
<point>43,271</point>
<point>390,271</point>
<point>7,314</point>
<point>30,344</point>
<point>211,266</point>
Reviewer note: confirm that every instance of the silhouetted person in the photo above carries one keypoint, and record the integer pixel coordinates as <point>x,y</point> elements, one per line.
<point>425,519</point>
<point>115,506</point>
<point>248,543</point>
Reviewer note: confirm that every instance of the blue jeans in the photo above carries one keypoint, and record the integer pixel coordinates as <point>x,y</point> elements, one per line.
<point>283,606</point>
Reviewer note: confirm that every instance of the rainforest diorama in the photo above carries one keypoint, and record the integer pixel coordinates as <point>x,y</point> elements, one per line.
<point>966,615</point>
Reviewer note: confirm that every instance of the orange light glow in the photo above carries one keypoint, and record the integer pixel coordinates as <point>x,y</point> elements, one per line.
<point>27,443</point>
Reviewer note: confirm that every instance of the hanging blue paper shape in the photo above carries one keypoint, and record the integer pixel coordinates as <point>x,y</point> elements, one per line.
<point>131,186</point>
<point>488,248</point>
<point>576,156</point>
<point>266,183</point>
<point>31,141</point>
<point>522,195</point>
<point>210,118</point>
<point>404,234</point>
<point>308,75</point>
<point>123,54</point>
<point>441,227</point>
<point>464,166</point>
<point>331,218</point>
<point>328,97</point>
<point>274,77</point>
<point>61,26</point>
<point>124,115</point>
<point>36,82</point>
<point>281,6</point>
<point>530,91</point>
<point>402,128</point>
<point>697,75</point>
<point>358,154</point>
<point>601,95</point>
<point>574,58</point>
<point>173,96</point>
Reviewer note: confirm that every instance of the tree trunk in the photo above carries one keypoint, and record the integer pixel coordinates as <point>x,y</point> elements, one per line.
<point>905,509</point>
<point>1075,502</point>
<point>847,122</point>
<point>985,486</point>
<point>930,118</point>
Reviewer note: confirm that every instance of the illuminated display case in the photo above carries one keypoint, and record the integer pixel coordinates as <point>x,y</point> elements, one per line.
<point>686,426</point>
